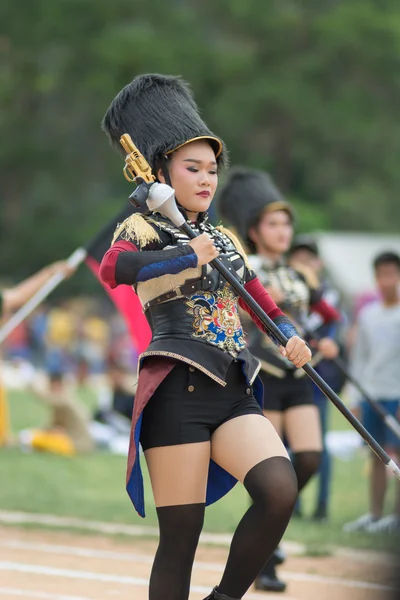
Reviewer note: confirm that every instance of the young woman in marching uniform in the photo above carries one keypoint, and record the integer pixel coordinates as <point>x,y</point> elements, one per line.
<point>197,408</point>
<point>252,204</point>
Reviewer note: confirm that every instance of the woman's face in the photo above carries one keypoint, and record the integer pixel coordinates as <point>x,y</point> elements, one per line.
<point>194,177</point>
<point>274,232</point>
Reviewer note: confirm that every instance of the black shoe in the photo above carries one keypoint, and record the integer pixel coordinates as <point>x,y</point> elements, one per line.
<point>267,581</point>
<point>278,556</point>
<point>320,514</point>
<point>218,596</point>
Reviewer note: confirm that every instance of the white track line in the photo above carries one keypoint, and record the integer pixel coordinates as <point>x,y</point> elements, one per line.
<point>71,573</point>
<point>107,578</point>
<point>201,566</point>
<point>220,539</point>
<point>40,595</point>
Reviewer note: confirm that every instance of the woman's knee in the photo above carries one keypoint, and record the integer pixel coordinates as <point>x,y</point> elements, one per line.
<point>306,464</point>
<point>309,462</point>
<point>181,524</point>
<point>273,483</point>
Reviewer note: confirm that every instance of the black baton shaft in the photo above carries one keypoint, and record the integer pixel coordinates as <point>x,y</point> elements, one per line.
<point>275,331</point>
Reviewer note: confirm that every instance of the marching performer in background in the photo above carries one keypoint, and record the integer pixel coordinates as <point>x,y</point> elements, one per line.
<point>252,204</point>
<point>305,251</point>
<point>197,408</point>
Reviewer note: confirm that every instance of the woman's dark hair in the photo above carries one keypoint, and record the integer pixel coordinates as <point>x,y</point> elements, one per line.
<point>387,258</point>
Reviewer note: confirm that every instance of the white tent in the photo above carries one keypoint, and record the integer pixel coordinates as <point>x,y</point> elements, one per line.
<point>348,258</point>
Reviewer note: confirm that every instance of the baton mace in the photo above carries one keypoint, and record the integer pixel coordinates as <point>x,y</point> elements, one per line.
<point>160,198</point>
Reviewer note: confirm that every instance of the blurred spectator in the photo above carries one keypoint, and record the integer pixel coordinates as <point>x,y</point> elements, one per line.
<point>305,252</point>
<point>375,362</point>
<point>121,350</point>
<point>37,325</point>
<point>115,401</point>
<point>60,335</point>
<point>112,418</point>
<point>10,300</point>
<point>17,344</point>
<point>92,344</point>
<point>68,431</point>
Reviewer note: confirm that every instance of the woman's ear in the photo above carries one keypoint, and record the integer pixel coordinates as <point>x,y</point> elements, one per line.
<point>253,235</point>
<point>160,176</point>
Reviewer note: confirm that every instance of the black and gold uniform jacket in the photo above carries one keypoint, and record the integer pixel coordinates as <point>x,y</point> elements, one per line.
<point>301,291</point>
<point>192,311</point>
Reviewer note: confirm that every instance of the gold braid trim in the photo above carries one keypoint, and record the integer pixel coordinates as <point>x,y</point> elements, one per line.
<point>137,228</point>
<point>237,243</point>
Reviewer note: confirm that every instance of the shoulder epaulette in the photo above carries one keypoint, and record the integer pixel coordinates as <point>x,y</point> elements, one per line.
<point>138,228</point>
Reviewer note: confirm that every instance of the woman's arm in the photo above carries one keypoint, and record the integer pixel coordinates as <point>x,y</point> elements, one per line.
<point>123,263</point>
<point>15,297</point>
<point>320,306</point>
<point>255,288</point>
<point>296,349</point>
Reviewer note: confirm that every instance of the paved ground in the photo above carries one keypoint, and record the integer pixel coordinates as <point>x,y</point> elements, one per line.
<point>49,565</point>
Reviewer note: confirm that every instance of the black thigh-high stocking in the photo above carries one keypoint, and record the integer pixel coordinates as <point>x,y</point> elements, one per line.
<point>306,464</point>
<point>180,528</point>
<point>272,486</point>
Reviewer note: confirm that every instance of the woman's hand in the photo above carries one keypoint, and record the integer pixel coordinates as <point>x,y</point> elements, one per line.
<point>328,348</point>
<point>296,351</point>
<point>204,248</point>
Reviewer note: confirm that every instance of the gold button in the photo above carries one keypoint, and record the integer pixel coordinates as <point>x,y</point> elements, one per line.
<point>191,388</point>
<point>192,369</point>
<point>248,391</point>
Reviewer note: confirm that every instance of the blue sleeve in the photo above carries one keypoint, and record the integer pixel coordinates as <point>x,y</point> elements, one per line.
<point>286,327</point>
<point>170,266</point>
<point>132,267</point>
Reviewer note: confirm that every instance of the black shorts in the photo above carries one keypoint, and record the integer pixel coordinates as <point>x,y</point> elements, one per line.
<point>282,394</point>
<point>189,406</point>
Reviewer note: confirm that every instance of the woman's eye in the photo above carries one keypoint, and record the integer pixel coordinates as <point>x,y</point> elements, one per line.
<point>213,172</point>
<point>193,169</point>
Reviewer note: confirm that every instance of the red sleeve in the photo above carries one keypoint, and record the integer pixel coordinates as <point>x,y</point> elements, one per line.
<point>261,296</point>
<point>107,266</point>
<point>327,312</point>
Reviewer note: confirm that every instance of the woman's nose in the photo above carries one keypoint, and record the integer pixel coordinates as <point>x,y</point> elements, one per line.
<point>204,178</point>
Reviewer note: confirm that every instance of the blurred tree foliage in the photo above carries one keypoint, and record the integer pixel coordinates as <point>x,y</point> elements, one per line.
<point>308,89</point>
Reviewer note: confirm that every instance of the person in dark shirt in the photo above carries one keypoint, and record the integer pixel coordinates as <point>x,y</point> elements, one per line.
<point>304,252</point>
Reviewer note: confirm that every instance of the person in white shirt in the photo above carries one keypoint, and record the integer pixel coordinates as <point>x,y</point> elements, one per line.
<point>375,363</point>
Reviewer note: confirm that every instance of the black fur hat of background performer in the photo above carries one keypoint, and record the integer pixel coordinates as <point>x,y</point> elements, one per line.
<point>245,196</point>
<point>160,115</point>
<point>305,242</point>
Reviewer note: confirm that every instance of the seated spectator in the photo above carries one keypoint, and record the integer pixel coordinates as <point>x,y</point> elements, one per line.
<point>68,432</point>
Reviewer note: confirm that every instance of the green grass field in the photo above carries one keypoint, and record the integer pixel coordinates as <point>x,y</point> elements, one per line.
<point>92,487</point>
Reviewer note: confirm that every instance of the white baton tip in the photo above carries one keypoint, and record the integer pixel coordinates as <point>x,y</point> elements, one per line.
<point>394,468</point>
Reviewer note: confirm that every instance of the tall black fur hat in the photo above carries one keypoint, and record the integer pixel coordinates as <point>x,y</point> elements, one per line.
<point>305,242</point>
<point>244,198</point>
<point>160,115</point>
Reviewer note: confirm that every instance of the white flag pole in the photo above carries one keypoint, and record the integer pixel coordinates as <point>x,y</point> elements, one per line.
<point>73,261</point>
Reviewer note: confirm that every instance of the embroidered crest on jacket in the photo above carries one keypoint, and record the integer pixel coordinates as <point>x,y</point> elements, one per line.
<point>216,319</point>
